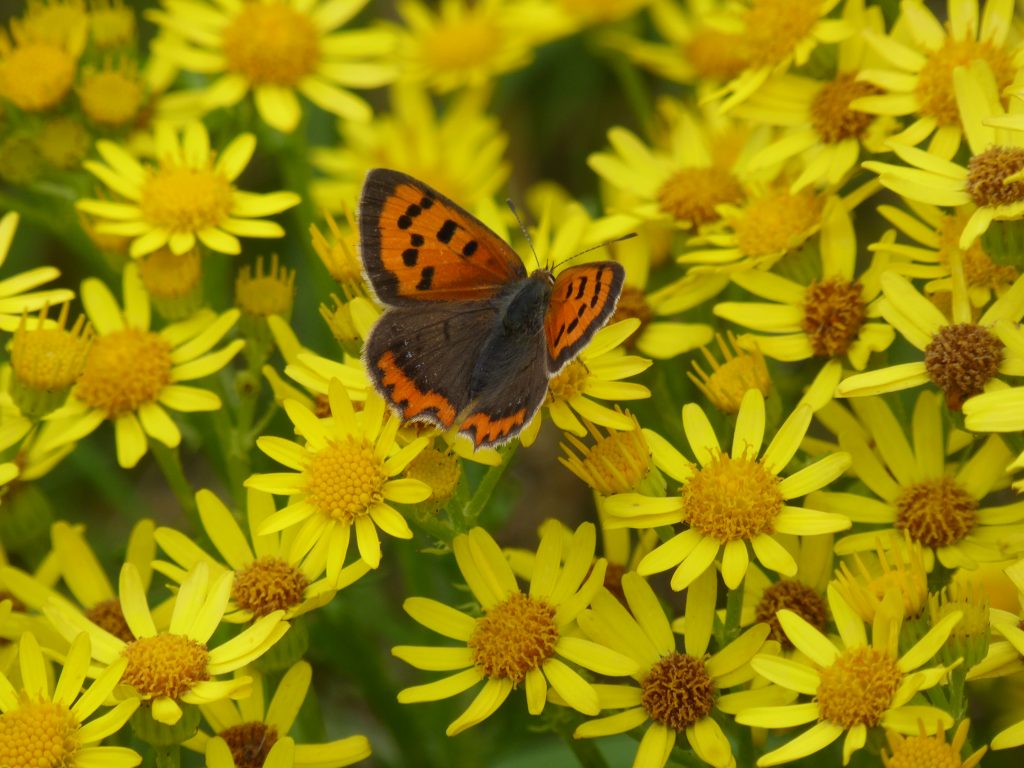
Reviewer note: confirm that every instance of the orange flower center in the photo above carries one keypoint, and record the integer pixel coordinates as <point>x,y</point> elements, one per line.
<point>165,665</point>
<point>691,194</point>
<point>517,635</point>
<point>181,199</point>
<point>271,43</point>
<point>778,222</point>
<point>109,616</point>
<point>38,733</point>
<point>936,96</point>
<point>732,498</point>
<point>36,76</point>
<point>774,27</point>
<point>124,369</point>
<point>344,479</point>
<point>267,585</point>
<point>831,115</point>
<point>858,687</point>
<point>833,315</point>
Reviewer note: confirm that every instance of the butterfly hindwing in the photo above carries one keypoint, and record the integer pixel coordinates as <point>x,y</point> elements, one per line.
<point>421,358</point>
<point>582,301</point>
<point>419,246</point>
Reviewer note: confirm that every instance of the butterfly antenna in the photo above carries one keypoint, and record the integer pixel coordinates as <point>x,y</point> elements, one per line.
<point>630,236</point>
<point>526,234</point>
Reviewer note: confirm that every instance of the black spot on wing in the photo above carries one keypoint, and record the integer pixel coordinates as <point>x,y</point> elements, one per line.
<point>416,240</point>
<point>404,222</point>
<point>573,324</point>
<point>469,248</point>
<point>426,202</point>
<point>447,231</point>
<point>410,257</point>
<point>413,210</point>
<point>426,277</point>
<point>582,288</point>
<point>597,287</point>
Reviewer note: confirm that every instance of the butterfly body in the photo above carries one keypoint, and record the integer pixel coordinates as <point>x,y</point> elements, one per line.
<point>468,338</point>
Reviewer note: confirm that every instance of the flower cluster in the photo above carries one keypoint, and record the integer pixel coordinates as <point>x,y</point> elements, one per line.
<point>771,462</point>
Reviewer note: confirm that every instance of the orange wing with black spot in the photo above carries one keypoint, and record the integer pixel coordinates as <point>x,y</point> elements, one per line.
<point>417,245</point>
<point>582,300</point>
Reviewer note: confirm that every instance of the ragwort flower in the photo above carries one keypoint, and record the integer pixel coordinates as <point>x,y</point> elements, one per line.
<point>518,638</point>
<point>16,292</point>
<point>187,196</point>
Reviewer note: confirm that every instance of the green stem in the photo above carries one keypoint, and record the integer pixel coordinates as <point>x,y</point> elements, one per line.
<point>168,756</point>
<point>169,461</point>
<point>733,610</point>
<point>484,491</point>
<point>585,750</point>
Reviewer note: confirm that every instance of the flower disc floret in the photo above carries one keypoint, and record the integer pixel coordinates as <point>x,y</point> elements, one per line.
<point>38,733</point>
<point>732,498</point>
<point>772,28</point>
<point>461,43</point>
<point>516,636</point>
<point>987,175</point>
<point>936,96</point>
<point>268,584</point>
<point>961,359</point>
<point>690,195</point>
<point>271,43</point>
<point>36,76</point>
<point>250,743</point>
<point>795,596</point>
<point>831,115</point>
<point>107,614</point>
<point>440,470</point>
<point>678,691</point>
<point>124,370</point>
<point>345,479</point>
<point>834,312</point>
<point>777,222</point>
<point>165,665</point>
<point>181,199</point>
<point>858,687</point>
<point>569,383</point>
<point>936,513</point>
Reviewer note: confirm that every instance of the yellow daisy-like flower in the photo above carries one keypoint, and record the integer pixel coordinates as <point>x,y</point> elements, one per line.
<point>344,478</point>
<point>936,235</point>
<point>819,127</point>
<point>186,196</point>
<point>684,183</point>
<point>247,728</point>
<point>133,375</point>
<point>552,20</point>
<point>267,579</point>
<point>834,315</point>
<point>963,358</point>
<point>277,49</point>
<point>987,184</point>
<point>776,35</point>
<point>173,667</point>
<point>17,294</point>
<point>730,501</point>
<point>924,54</point>
<point>915,493</point>
<point>46,725</point>
<point>856,686</point>
<point>675,692</point>
<point>39,57</point>
<point>519,637</point>
<point>462,44</point>
<point>459,151</point>
<point>922,749</point>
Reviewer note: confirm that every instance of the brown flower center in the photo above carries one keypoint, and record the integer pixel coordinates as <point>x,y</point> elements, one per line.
<point>831,115</point>
<point>678,691</point>
<point>250,743</point>
<point>935,93</point>
<point>165,665</point>
<point>778,222</point>
<point>517,635</point>
<point>267,585</point>
<point>715,55</point>
<point>962,358</point>
<point>794,596</point>
<point>987,174</point>
<point>937,513</point>
<point>109,616</point>
<point>690,195</point>
<point>833,315</point>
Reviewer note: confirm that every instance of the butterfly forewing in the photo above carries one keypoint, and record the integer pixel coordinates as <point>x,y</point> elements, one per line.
<point>582,301</point>
<point>419,246</point>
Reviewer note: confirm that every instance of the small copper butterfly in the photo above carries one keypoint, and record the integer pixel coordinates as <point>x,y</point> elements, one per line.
<point>468,337</point>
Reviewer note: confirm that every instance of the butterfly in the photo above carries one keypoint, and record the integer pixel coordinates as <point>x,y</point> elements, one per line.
<point>467,338</point>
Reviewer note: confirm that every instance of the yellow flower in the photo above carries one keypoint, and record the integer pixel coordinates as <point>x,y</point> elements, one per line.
<point>111,24</point>
<point>924,53</point>
<point>248,728</point>
<point>729,380</point>
<point>185,197</point>
<point>936,236</point>
<point>517,638</point>
<point>674,692</point>
<point>731,500</point>
<point>829,317</point>
<point>460,151</point>
<point>132,374</point>
<point>343,478</point>
<point>856,686</point>
<point>819,127</point>
<point>176,666</point>
<point>922,749</point>
<point>43,725</point>
<point>914,491</point>
<point>963,358</point>
<point>111,96</point>
<point>617,462</point>
<point>552,20</point>
<point>277,49</point>
<point>267,578</point>
<point>776,35</point>
<point>987,184</point>
<point>16,292</point>
<point>684,183</point>
<point>37,66</point>
<point>462,44</point>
